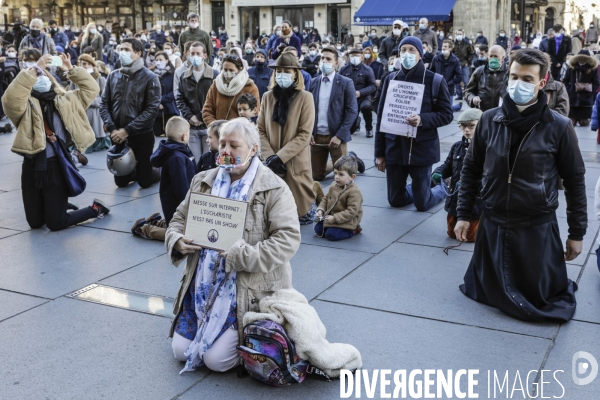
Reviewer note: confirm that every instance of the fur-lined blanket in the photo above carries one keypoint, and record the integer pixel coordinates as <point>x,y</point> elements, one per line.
<point>290,309</point>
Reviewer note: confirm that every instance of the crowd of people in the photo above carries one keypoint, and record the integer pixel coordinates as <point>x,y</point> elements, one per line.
<point>266,121</point>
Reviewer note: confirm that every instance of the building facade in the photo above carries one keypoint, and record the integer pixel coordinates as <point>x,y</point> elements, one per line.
<point>250,18</point>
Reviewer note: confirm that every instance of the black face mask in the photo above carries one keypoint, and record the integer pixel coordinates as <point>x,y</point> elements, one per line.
<point>35,33</point>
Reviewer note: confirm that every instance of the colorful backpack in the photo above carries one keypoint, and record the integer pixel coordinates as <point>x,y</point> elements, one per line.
<point>270,356</point>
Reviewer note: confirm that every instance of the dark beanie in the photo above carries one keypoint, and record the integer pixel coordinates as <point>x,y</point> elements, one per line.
<point>415,41</point>
<point>584,52</point>
<point>516,47</point>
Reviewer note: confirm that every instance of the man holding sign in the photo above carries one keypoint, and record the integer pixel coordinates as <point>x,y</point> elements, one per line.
<point>414,103</point>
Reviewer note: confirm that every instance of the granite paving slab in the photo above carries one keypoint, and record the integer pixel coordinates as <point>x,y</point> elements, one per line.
<point>51,264</point>
<point>80,350</point>
<point>422,281</point>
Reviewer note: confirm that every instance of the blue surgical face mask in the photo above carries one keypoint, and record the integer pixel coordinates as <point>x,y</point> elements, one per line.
<point>391,68</point>
<point>520,91</point>
<point>408,60</point>
<point>484,58</point>
<point>43,84</point>
<point>422,26</point>
<point>197,61</point>
<point>284,80</point>
<point>125,58</point>
<point>326,68</point>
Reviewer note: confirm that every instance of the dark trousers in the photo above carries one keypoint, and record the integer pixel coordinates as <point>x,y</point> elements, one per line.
<point>419,192</point>
<point>48,205</point>
<point>555,71</point>
<point>365,107</point>
<point>333,234</point>
<point>160,123</point>
<point>144,175</point>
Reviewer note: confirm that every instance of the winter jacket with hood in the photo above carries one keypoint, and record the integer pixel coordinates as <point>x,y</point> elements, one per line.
<point>489,85</point>
<point>558,98</point>
<point>177,171</point>
<point>25,112</point>
<point>449,68</point>
<point>451,168</point>
<point>586,73</point>
<point>261,75</point>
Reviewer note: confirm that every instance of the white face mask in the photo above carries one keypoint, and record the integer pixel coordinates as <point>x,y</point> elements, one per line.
<point>446,53</point>
<point>143,37</point>
<point>355,60</point>
<point>29,64</point>
<point>168,52</point>
<point>11,54</point>
<point>194,25</point>
<point>397,32</point>
<point>90,70</point>
<point>367,56</point>
<point>161,64</point>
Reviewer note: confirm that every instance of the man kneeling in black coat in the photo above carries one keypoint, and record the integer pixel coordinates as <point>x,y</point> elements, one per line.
<point>519,152</point>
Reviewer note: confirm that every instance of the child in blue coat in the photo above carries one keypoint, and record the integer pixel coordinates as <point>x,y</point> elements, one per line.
<point>178,168</point>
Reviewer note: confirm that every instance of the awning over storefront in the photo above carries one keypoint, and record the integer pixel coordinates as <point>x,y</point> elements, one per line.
<point>385,12</point>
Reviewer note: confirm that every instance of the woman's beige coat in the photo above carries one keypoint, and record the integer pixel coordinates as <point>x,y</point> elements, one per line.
<point>262,258</point>
<point>291,143</point>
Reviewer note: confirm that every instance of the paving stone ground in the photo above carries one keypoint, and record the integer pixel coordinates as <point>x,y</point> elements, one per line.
<point>389,291</point>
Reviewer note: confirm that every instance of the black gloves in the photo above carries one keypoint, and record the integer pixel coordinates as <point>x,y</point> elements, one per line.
<point>276,165</point>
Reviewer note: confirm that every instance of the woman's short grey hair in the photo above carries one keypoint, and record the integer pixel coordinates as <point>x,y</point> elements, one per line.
<point>243,126</point>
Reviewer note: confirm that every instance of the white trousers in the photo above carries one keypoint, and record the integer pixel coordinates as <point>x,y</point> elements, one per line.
<point>221,357</point>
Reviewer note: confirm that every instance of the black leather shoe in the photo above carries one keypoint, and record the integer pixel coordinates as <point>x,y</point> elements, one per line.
<point>369,134</point>
<point>359,162</point>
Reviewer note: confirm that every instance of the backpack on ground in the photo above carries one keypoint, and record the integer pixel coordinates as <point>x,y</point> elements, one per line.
<point>269,355</point>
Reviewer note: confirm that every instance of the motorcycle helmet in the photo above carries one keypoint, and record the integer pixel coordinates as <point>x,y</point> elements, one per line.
<point>120,160</point>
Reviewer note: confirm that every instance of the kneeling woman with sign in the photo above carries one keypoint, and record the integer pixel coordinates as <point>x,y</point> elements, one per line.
<point>219,287</point>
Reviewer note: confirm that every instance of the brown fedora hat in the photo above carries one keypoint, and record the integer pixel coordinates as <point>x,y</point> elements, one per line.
<point>286,60</point>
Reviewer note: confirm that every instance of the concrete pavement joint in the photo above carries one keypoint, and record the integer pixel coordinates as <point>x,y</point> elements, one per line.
<point>193,385</point>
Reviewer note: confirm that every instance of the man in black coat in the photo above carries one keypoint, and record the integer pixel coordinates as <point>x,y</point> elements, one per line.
<point>519,152</point>
<point>335,111</point>
<point>488,83</point>
<point>129,106</point>
<point>401,156</point>
<point>558,48</point>
<point>390,44</point>
<point>365,86</point>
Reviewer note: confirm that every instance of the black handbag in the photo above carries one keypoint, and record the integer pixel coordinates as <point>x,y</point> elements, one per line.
<point>75,182</point>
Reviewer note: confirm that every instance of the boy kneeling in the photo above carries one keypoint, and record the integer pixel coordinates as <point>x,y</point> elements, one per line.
<point>452,167</point>
<point>340,212</point>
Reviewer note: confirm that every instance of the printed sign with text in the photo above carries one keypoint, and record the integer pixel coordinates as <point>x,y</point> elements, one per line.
<point>214,222</point>
<point>402,99</point>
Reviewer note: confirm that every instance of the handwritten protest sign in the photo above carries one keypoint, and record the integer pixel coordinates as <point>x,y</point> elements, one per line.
<point>214,222</point>
<point>402,99</point>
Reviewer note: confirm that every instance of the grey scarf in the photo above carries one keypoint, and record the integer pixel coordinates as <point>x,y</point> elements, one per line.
<point>133,68</point>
